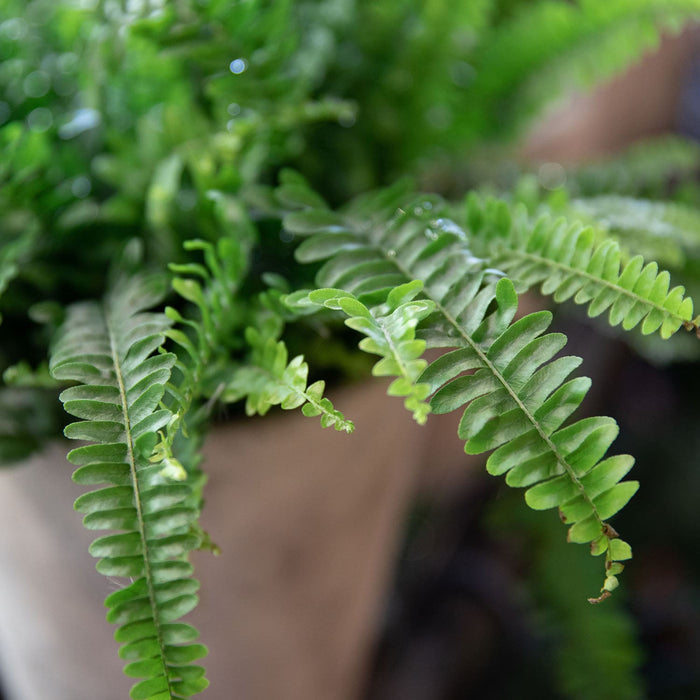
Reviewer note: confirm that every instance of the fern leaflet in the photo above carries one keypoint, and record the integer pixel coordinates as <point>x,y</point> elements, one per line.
<point>108,349</point>
<point>667,231</point>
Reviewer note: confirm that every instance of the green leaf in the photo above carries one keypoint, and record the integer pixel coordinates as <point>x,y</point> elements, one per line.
<point>620,550</point>
<point>570,261</point>
<point>313,221</point>
<point>268,380</point>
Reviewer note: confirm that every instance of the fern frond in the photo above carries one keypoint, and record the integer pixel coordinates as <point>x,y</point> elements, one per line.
<point>570,262</point>
<point>108,350</point>
<point>668,232</point>
<point>391,333</point>
<point>516,397</point>
<point>211,287</point>
<point>268,379</point>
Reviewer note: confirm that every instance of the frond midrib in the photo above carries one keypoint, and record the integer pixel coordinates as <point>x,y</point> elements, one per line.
<point>526,412</point>
<point>148,574</point>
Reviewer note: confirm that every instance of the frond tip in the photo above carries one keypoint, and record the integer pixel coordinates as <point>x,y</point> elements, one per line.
<point>390,331</point>
<point>268,379</point>
<point>108,350</point>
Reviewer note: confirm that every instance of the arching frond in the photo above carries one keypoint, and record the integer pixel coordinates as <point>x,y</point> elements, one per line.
<point>108,350</point>
<point>211,288</point>
<point>515,397</point>
<point>668,232</point>
<point>570,262</point>
<point>264,376</point>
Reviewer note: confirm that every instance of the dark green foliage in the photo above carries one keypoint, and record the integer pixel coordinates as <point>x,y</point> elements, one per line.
<point>143,137</point>
<point>591,652</point>
<point>648,169</point>
<point>555,46</point>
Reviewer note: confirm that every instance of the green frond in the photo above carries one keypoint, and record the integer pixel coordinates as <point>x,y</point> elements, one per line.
<point>570,262</point>
<point>515,397</point>
<point>269,379</point>
<point>108,350</point>
<point>390,331</point>
<point>265,377</point>
<point>667,232</point>
<point>212,289</point>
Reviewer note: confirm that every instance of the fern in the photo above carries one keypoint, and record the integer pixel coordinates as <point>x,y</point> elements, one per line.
<point>390,331</point>
<point>267,379</point>
<point>569,262</point>
<point>264,377</point>
<point>646,169</point>
<point>108,349</point>
<point>212,289</point>
<point>667,231</point>
<point>516,398</point>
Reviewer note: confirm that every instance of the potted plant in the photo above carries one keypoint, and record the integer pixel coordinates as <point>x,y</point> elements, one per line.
<point>161,258</point>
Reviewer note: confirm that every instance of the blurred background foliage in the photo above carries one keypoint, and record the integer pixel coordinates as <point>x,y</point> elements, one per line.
<point>155,122</point>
